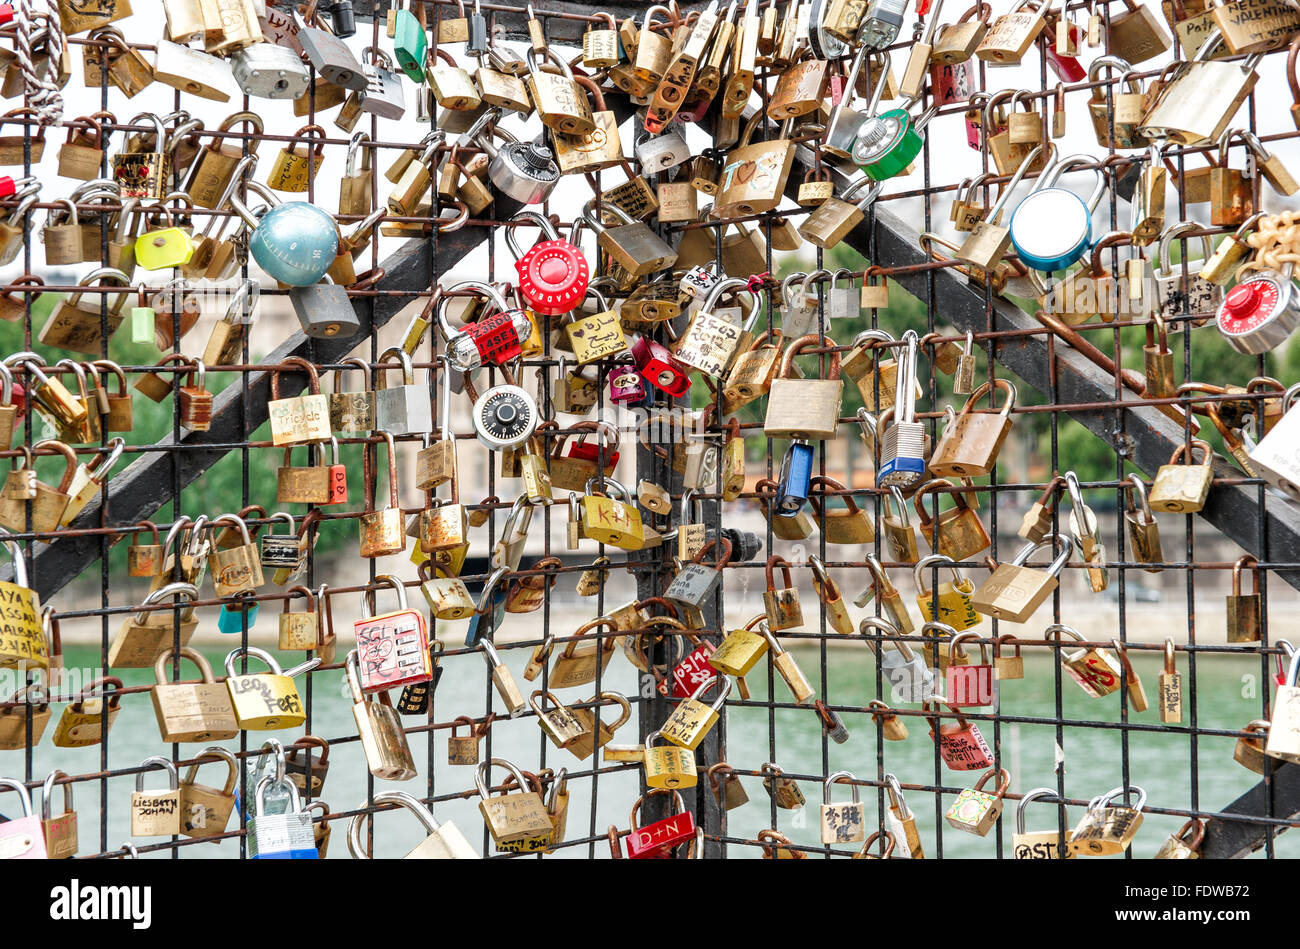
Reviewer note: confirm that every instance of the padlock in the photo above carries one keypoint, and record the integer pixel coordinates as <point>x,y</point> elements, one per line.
<point>286,835</point>
<point>1201,98</point>
<point>269,700</point>
<point>967,684</point>
<point>804,408</point>
<point>897,528</point>
<point>579,661</point>
<point>740,650</point>
<point>189,712</point>
<point>518,822</point>
<point>383,741</point>
<point>156,813</point>
<point>695,583</point>
<point>711,341</point>
<point>22,638</point>
<point>668,767</point>
<point>785,792</point>
<point>22,838</point>
<point>381,531</point>
<point>1095,670</point>
<point>842,823</point>
<point>1183,488</point>
<point>1107,828</point>
<point>976,811</point>
<point>205,811</point>
<point>75,326</point>
<point>782,606</point>
<point>143,636</point>
<point>559,723</point>
<point>692,720</point>
<point>392,647</point>
<point>1014,592</point>
<point>1039,844</point>
<point>30,704</point>
<point>953,597</point>
<point>1249,748</point>
<point>957,533</point>
<point>1284,731</point>
<point>236,570</point>
<point>1011,34</point>
<point>660,839</point>
<point>525,172</point>
<point>961,746</point>
<point>444,840</point>
<point>596,734</point>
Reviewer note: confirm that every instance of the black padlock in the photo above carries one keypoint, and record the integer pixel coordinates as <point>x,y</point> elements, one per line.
<point>745,545</point>
<point>343,17</point>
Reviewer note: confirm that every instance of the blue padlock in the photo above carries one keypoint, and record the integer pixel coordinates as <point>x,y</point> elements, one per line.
<point>796,473</point>
<point>491,602</point>
<point>231,619</point>
<point>295,242</point>
<point>1052,228</point>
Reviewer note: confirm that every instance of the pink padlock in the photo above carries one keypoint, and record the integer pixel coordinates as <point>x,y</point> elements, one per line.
<point>973,684</point>
<point>961,746</point>
<point>22,838</point>
<point>658,367</point>
<point>626,384</point>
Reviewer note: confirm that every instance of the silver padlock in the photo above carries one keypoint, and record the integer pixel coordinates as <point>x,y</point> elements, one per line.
<point>1172,301</point>
<point>269,71</point>
<point>404,409</point>
<point>798,309</point>
<point>331,57</point>
<point>324,310</point>
<point>280,836</point>
<point>912,680</point>
<point>658,153</point>
<point>383,94</point>
<point>526,172</point>
<point>1277,456</point>
<point>843,303</point>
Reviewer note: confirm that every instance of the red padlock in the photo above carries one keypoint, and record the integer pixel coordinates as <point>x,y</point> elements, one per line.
<point>692,672</point>
<point>392,648</point>
<point>658,367</point>
<point>656,841</point>
<point>553,273</point>
<point>950,82</point>
<point>1067,68</point>
<point>961,746</point>
<point>338,477</point>
<point>6,13</point>
<point>497,338</point>
<point>973,684</point>
<point>591,451</point>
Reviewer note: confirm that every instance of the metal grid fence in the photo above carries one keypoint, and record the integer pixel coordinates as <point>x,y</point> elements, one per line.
<point>173,464</point>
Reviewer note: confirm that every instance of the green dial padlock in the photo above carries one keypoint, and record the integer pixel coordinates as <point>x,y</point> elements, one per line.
<point>410,45</point>
<point>887,143</point>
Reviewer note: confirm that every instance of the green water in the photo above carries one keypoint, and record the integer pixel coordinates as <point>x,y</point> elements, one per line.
<point>1160,761</point>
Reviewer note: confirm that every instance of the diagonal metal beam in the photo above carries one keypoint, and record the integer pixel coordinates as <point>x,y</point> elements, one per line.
<point>1234,839</point>
<point>1140,434</point>
<point>145,486</point>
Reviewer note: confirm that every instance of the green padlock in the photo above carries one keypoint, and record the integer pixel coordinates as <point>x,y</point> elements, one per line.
<point>163,248</point>
<point>410,45</point>
<point>142,319</point>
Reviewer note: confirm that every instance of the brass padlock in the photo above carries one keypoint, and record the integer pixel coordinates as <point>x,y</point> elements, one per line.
<point>192,711</point>
<point>1183,488</point>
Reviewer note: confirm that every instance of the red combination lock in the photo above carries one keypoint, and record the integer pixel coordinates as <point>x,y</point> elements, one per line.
<point>553,274</point>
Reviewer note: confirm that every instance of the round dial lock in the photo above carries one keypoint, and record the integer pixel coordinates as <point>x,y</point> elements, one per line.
<point>553,277</point>
<point>295,243</point>
<point>503,416</point>
<point>886,144</point>
<point>1259,314</point>
<point>1051,229</point>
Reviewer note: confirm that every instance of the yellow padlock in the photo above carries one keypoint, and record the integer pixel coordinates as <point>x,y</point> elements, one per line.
<point>163,248</point>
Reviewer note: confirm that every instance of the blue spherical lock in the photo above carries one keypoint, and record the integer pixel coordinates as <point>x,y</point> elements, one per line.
<point>295,243</point>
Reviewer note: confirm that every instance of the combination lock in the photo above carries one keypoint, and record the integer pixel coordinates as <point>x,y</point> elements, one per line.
<point>503,416</point>
<point>1260,313</point>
